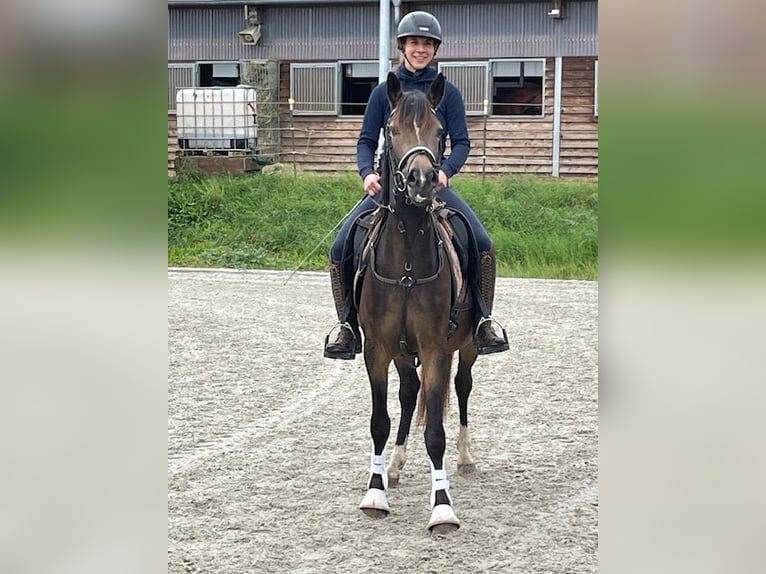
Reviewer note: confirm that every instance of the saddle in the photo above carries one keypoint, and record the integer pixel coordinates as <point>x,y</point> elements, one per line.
<point>457,237</point>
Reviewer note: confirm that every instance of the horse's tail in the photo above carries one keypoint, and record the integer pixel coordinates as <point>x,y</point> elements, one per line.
<point>423,400</point>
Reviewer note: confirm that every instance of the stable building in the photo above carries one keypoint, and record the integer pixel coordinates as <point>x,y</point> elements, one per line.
<point>528,71</point>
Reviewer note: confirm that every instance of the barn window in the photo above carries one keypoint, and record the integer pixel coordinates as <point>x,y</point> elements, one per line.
<point>201,74</point>
<point>471,79</point>
<point>314,88</point>
<point>211,74</point>
<point>357,80</point>
<point>517,87</point>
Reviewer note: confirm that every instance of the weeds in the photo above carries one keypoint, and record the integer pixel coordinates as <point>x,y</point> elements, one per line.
<point>542,227</point>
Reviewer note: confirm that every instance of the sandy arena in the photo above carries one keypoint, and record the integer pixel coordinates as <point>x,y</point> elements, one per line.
<point>268,442</point>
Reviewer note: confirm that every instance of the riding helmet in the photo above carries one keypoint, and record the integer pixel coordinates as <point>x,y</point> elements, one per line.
<point>420,24</point>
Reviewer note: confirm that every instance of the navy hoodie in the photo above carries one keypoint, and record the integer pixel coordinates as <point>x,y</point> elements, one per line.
<point>451,113</point>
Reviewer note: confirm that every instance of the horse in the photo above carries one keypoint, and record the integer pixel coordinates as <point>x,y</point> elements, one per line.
<point>523,101</point>
<point>406,309</point>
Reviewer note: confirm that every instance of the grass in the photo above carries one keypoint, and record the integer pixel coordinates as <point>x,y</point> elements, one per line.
<point>542,227</point>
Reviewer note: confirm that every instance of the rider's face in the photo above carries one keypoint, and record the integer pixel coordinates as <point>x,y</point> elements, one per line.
<point>418,52</point>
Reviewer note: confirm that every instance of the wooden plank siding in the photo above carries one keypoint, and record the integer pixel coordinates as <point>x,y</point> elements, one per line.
<point>315,143</point>
<point>579,124</point>
<point>513,145</point>
<point>172,143</point>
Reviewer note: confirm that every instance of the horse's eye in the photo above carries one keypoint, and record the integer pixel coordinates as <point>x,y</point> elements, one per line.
<point>440,132</point>
<point>394,131</point>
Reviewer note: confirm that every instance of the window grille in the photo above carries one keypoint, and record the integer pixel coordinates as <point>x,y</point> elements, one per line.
<point>471,79</point>
<point>314,88</point>
<point>179,76</point>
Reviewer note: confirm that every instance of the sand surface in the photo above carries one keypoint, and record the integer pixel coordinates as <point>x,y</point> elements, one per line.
<point>268,442</point>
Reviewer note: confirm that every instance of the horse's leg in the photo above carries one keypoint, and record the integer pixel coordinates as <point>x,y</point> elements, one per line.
<point>463,386</point>
<point>375,503</point>
<point>436,370</point>
<point>409,385</point>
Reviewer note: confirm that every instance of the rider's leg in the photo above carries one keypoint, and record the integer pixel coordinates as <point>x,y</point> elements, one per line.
<point>488,339</point>
<point>348,341</point>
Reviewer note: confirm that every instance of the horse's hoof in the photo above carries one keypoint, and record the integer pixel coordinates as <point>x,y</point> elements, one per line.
<point>444,529</point>
<point>443,520</point>
<point>393,480</point>
<point>375,512</point>
<point>374,504</point>
<point>464,469</point>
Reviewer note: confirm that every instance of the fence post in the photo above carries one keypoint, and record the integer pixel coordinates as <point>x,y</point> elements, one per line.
<point>484,147</point>
<point>291,102</point>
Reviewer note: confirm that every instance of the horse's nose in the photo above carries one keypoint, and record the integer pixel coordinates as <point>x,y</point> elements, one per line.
<point>422,178</point>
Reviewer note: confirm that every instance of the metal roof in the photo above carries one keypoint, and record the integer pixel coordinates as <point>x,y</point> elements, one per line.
<point>320,4</point>
<point>350,32</point>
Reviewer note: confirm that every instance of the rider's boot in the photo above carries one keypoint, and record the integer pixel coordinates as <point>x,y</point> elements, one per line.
<point>488,339</point>
<point>348,341</point>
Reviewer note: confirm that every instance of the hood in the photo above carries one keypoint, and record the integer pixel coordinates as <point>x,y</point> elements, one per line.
<point>416,80</point>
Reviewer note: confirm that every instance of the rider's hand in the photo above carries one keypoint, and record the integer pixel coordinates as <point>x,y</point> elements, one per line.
<point>372,184</point>
<point>443,181</point>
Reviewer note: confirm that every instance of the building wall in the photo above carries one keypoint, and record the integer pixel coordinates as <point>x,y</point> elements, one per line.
<point>579,124</point>
<point>473,31</point>
<point>327,143</point>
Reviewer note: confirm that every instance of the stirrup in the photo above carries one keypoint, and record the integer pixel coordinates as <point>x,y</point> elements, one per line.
<point>489,349</point>
<point>356,346</point>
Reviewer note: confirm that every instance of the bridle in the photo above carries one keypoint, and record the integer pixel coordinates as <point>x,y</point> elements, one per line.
<point>396,168</point>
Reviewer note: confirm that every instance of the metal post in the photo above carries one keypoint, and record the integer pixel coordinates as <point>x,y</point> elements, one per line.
<point>556,118</point>
<point>384,40</point>
<point>384,52</point>
<point>291,101</point>
<point>484,145</point>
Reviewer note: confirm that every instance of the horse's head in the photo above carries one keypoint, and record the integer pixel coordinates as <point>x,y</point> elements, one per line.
<point>413,137</point>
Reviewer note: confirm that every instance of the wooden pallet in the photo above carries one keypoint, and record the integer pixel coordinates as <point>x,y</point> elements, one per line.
<point>218,163</point>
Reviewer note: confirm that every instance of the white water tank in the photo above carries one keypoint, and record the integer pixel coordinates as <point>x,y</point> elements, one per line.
<point>217,118</point>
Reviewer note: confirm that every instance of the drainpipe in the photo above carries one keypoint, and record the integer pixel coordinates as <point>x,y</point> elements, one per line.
<point>557,117</point>
<point>397,13</point>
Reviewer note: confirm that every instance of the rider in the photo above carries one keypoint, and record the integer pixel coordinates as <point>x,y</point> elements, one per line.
<point>418,36</point>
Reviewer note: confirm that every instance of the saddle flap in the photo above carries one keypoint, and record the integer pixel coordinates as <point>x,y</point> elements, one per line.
<point>357,249</point>
<point>446,234</point>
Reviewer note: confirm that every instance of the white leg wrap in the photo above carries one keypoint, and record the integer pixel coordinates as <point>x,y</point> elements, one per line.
<point>439,481</point>
<point>378,466</point>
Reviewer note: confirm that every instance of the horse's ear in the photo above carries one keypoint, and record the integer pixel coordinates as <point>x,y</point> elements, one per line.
<point>436,91</point>
<point>393,89</point>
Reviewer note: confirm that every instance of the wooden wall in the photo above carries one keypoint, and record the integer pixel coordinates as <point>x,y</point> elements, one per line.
<point>579,125</point>
<point>328,143</point>
<point>514,145</point>
<point>172,143</point>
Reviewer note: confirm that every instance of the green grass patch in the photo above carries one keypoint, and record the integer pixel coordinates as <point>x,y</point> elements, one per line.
<point>542,227</point>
